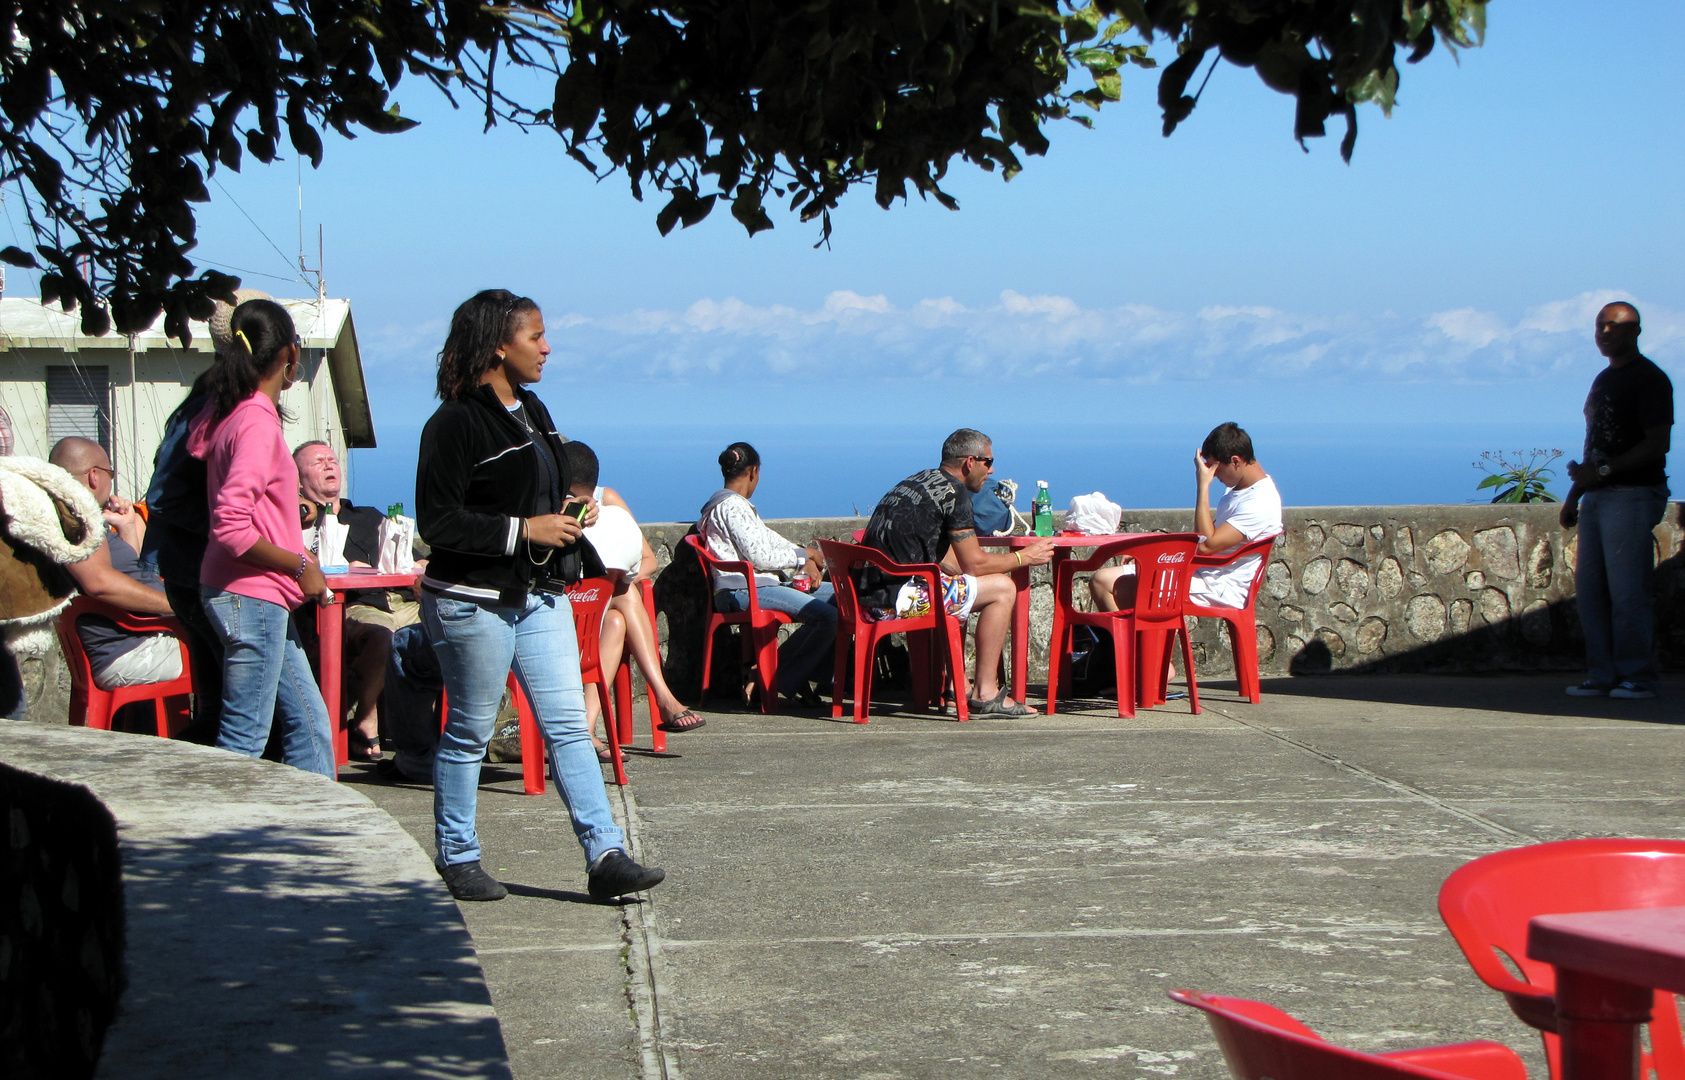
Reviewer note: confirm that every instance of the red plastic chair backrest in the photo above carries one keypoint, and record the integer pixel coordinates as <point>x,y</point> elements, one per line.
<point>590,598</point>
<point>1163,564</point>
<point>1486,904</point>
<point>1261,1042</point>
<point>70,642</point>
<point>1261,548</point>
<point>841,560</point>
<point>710,565</point>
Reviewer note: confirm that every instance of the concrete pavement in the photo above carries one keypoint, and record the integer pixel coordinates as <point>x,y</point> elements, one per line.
<point>1006,898</point>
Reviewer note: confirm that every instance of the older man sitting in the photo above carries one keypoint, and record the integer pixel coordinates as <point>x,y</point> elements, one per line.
<point>372,616</point>
<point>113,574</point>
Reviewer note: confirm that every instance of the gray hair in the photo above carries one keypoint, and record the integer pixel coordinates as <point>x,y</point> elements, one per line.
<point>964,443</point>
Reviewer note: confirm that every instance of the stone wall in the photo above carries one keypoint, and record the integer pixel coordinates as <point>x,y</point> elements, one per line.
<point>1348,589</point>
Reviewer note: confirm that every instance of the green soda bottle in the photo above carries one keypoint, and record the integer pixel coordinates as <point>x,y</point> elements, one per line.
<point>1041,511</point>
<point>396,510</point>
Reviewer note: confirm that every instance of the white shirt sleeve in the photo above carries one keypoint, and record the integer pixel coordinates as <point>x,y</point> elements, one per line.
<point>752,541</point>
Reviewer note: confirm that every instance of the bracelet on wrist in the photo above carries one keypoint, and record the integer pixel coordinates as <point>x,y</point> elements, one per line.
<point>1019,556</point>
<point>303,564</point>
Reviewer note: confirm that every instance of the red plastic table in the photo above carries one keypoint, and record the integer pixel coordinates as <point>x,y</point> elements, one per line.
<point>1608,963</point>
<point>1064,544</point>
<point>330,632</point>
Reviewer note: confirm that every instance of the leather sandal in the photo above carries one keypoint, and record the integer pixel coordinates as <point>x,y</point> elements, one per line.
<point>363,749</point>
<point>997,706</point>
<point>679,723</point>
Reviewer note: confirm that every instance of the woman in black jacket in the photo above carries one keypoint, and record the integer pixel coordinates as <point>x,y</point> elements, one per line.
<point>490,486</point>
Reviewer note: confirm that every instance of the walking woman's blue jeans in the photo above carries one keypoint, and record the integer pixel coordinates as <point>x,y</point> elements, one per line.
<point>477,647</point>
<point>1613,583</point>
<point>266,678</point>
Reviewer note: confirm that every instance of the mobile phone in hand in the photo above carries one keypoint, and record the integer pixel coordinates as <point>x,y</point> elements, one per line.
<point>577,509</point>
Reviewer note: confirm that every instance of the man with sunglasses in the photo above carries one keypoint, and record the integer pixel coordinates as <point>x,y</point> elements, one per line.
<point>928,518</point>
<point>114,574</point>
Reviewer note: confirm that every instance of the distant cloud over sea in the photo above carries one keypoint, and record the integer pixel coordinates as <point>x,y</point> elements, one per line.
<point>1044,337</point>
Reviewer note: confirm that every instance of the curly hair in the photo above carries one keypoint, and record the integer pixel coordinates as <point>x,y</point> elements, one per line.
<point>482,323</point>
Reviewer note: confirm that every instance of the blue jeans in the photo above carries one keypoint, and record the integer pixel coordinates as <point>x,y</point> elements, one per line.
<point>409,703</point>
<point>476,648</point>
<point>803,655</point>
<point>1613,580</point>
<point>265,678</point>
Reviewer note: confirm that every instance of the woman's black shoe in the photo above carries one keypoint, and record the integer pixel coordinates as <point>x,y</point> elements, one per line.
<point>468,882</point>
<point>615,874</point>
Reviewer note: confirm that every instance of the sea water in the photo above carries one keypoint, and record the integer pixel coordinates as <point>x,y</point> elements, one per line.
<point>665,472</point>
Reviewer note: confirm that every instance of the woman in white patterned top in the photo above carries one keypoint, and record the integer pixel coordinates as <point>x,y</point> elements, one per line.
<point>731,529</point>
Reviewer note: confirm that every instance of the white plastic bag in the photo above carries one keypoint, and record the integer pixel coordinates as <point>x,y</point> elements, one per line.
<point>397,545</point>
<point>1093,515</point>
<point>330,544</point>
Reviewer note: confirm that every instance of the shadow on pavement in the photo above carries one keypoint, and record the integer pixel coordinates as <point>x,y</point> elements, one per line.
<point>1533,695</point>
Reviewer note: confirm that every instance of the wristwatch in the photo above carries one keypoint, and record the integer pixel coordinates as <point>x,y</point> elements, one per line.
<point>1603,472</point>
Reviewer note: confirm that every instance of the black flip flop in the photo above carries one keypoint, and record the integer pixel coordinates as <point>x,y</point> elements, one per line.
<point>678,724</point>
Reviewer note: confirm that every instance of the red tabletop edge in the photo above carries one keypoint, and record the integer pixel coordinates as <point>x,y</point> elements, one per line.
<point>370,580</point>
<point>1638,946</point>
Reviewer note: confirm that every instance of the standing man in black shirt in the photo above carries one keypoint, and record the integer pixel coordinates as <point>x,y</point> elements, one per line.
<point>1618,497</point>
<point>927,518</point>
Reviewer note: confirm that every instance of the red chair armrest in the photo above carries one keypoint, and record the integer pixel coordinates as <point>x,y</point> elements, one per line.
<point>1478,1060</point>
<point>1259,546</point>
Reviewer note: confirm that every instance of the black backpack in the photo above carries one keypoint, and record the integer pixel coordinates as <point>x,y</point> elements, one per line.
<point>1093,662</point>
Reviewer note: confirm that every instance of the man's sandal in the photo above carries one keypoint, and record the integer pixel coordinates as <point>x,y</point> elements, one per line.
<point>997,706</point>
<point>679,723</point>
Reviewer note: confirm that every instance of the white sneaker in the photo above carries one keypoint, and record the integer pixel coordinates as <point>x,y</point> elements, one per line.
<point>1631,691</point>
<point>1588,689</point>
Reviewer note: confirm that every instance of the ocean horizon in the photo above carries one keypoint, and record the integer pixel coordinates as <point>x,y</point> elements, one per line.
<point>666,472</point>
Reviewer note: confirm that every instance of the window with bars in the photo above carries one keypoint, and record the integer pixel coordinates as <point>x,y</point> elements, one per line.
<point>79,403</point>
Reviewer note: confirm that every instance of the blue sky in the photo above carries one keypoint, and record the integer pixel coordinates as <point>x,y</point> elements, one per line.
<point>1375,325</point>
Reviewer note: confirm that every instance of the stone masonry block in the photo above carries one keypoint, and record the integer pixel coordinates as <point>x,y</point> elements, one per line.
<point>1499,551</point>
<point>1425,617</point>
<point>1446,553</point>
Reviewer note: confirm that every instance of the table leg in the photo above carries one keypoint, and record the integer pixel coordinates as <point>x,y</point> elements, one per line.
<point>330,633</point>
<point>1021,634</point>
<point>1598,1021</point>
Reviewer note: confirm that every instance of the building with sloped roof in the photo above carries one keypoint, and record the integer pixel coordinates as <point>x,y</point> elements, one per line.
<point>120,389</point>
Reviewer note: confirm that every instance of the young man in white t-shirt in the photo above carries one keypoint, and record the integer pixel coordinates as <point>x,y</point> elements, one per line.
<point>1249,510</point>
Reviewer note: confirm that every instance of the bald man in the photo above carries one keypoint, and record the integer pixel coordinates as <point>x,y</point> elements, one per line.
<point>113,574</point>
<point>1618,497</point>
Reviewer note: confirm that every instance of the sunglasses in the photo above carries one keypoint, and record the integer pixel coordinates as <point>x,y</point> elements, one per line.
<point>988,462</point>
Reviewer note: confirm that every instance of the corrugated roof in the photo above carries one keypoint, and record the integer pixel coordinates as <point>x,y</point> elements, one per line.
<point>321,324</point>
<point>30,324</point>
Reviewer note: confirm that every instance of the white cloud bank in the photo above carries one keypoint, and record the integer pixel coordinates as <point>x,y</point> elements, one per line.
<point>1045,337</point>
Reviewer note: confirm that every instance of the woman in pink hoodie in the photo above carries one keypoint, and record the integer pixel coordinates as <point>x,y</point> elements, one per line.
<point>256,568</point>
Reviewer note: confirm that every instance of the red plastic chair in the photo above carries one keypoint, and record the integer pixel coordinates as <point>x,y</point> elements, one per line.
<point>589,599</point>
<point>623,687</point>
<point>1260,1042</point>
<point>855,625</point>
<point>1164,562</point>
<point>1486,904</point>
<point>758,627</point>
<point>1243,621</point>
<point>92,707</point>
